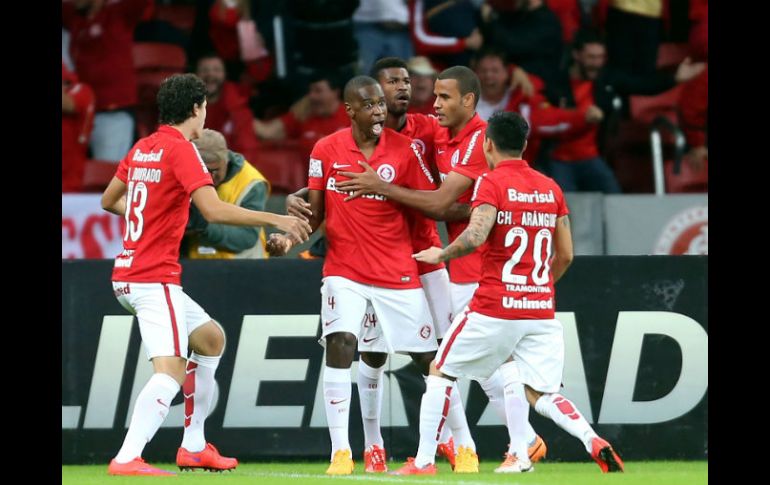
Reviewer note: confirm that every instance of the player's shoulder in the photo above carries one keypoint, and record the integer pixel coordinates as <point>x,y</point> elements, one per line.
<point>545,182</point>
<point>337,138</point>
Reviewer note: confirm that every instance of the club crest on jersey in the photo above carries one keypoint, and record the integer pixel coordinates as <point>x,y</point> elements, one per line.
<point>455,157</point>
<point>386,172</point>
<point>420,145</point>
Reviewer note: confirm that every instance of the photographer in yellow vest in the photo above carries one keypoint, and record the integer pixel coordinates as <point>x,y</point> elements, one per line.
<point>239,183</point>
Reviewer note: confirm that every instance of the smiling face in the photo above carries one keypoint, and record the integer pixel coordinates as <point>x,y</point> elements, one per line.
<point>397,87</point>
<point>367,110</point>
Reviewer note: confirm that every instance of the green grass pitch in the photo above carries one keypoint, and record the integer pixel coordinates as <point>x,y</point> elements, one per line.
<point>637,473</point>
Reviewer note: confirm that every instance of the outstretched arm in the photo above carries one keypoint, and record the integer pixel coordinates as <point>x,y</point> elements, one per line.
<point>482,219</point>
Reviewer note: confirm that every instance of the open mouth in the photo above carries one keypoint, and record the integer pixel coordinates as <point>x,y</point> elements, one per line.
<point>377,127</point>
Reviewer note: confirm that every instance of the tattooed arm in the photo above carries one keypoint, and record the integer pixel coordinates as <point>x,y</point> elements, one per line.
<point>482,219</point>
<point>562,246</point>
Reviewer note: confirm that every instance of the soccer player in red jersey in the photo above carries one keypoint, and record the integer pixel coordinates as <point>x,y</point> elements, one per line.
<point>393,76</point>
<point>460,161</point>
<point>522,217</point>
<point>152,188</point>
<point>368,259</point>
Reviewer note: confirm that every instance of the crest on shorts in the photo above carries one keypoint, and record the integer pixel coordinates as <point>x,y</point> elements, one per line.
<point>386,172</point>
<point>425,332</point>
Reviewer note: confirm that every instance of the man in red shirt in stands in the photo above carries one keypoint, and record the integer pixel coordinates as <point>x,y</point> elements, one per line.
<point>320,114</point>
<point>77,106</point>
<point>102,37</point>
<point>152,189</point>
<point>228,111</point>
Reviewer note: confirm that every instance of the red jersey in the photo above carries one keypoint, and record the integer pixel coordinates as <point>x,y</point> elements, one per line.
<point>366,236</point>
<point>463,154</point>
<point>422,129</point>
<point>161,171</point>
<point>517,283</point>
<point>101,48</point>
<point>580,145</point>
<point>75,131</point>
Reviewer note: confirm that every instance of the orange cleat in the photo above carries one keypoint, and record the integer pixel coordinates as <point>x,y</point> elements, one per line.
<point>605,456</point>
<point>374,460</point>
<point>447,450</point>
<point>538,450</point>
<point>137,466</point>
<point>410,468</point>
<point>208,459</point>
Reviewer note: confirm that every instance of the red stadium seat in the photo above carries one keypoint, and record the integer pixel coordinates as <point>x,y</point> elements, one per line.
<point>282,163</point>
<point>687,180</point>
<point>97,175</point>
<point>156,56</point>
<point>646,108</point>
<point>180,16</point>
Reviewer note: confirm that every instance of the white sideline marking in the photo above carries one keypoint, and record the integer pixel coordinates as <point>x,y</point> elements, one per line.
<point>383,479</point>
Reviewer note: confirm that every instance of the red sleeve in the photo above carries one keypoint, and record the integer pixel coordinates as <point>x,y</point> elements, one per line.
<point>485,192</point>
<point>547,121</point>
<point>244,138</point>
<point>426,42</point>
<point>189,167</point>
<point>472,161</point>
<point>291,125</point>
<point>226,16</point>
<point>693,107</point>
<point>420,176</point>
<point>316,174</point>
<point>122,172</point>
<point>83,97</point>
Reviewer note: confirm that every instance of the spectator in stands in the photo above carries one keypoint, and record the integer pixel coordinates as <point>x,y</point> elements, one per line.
<point>498,93</point>
<point>237,182</point>
<point>530,36</point>
<point>227,110</point>
<point>634,31</point>
<point>325,114</point>
<point>382,30</point>
<point>101,47</point>
<point>423,77</point>
<point>575,163</point>
<point>77,107</point>
<point>446,31</point>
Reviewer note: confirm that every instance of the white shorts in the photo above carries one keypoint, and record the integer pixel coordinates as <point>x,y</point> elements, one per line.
<point>462,293</point>
<point>165,313</point>
<point>436,287</point>
<point>477,345</point>
<point>402,317</point>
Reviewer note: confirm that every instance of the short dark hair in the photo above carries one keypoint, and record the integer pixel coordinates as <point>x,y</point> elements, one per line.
<point>177,96</point>
<point>386,63</point>
<point>358,82</point>
<point>586,36</point>
<point>508,130</point>
<point>467,81</point>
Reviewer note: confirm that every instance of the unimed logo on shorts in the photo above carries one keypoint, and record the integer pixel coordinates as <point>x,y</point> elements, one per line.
<point>252,368</point>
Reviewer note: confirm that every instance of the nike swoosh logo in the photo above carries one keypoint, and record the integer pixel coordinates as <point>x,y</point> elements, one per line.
<point>161,403</point>
<point>367,340</point>
<point>441,151</point>
<point>329,323</point>
<point>337,402</point>
<point>336,165</point>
